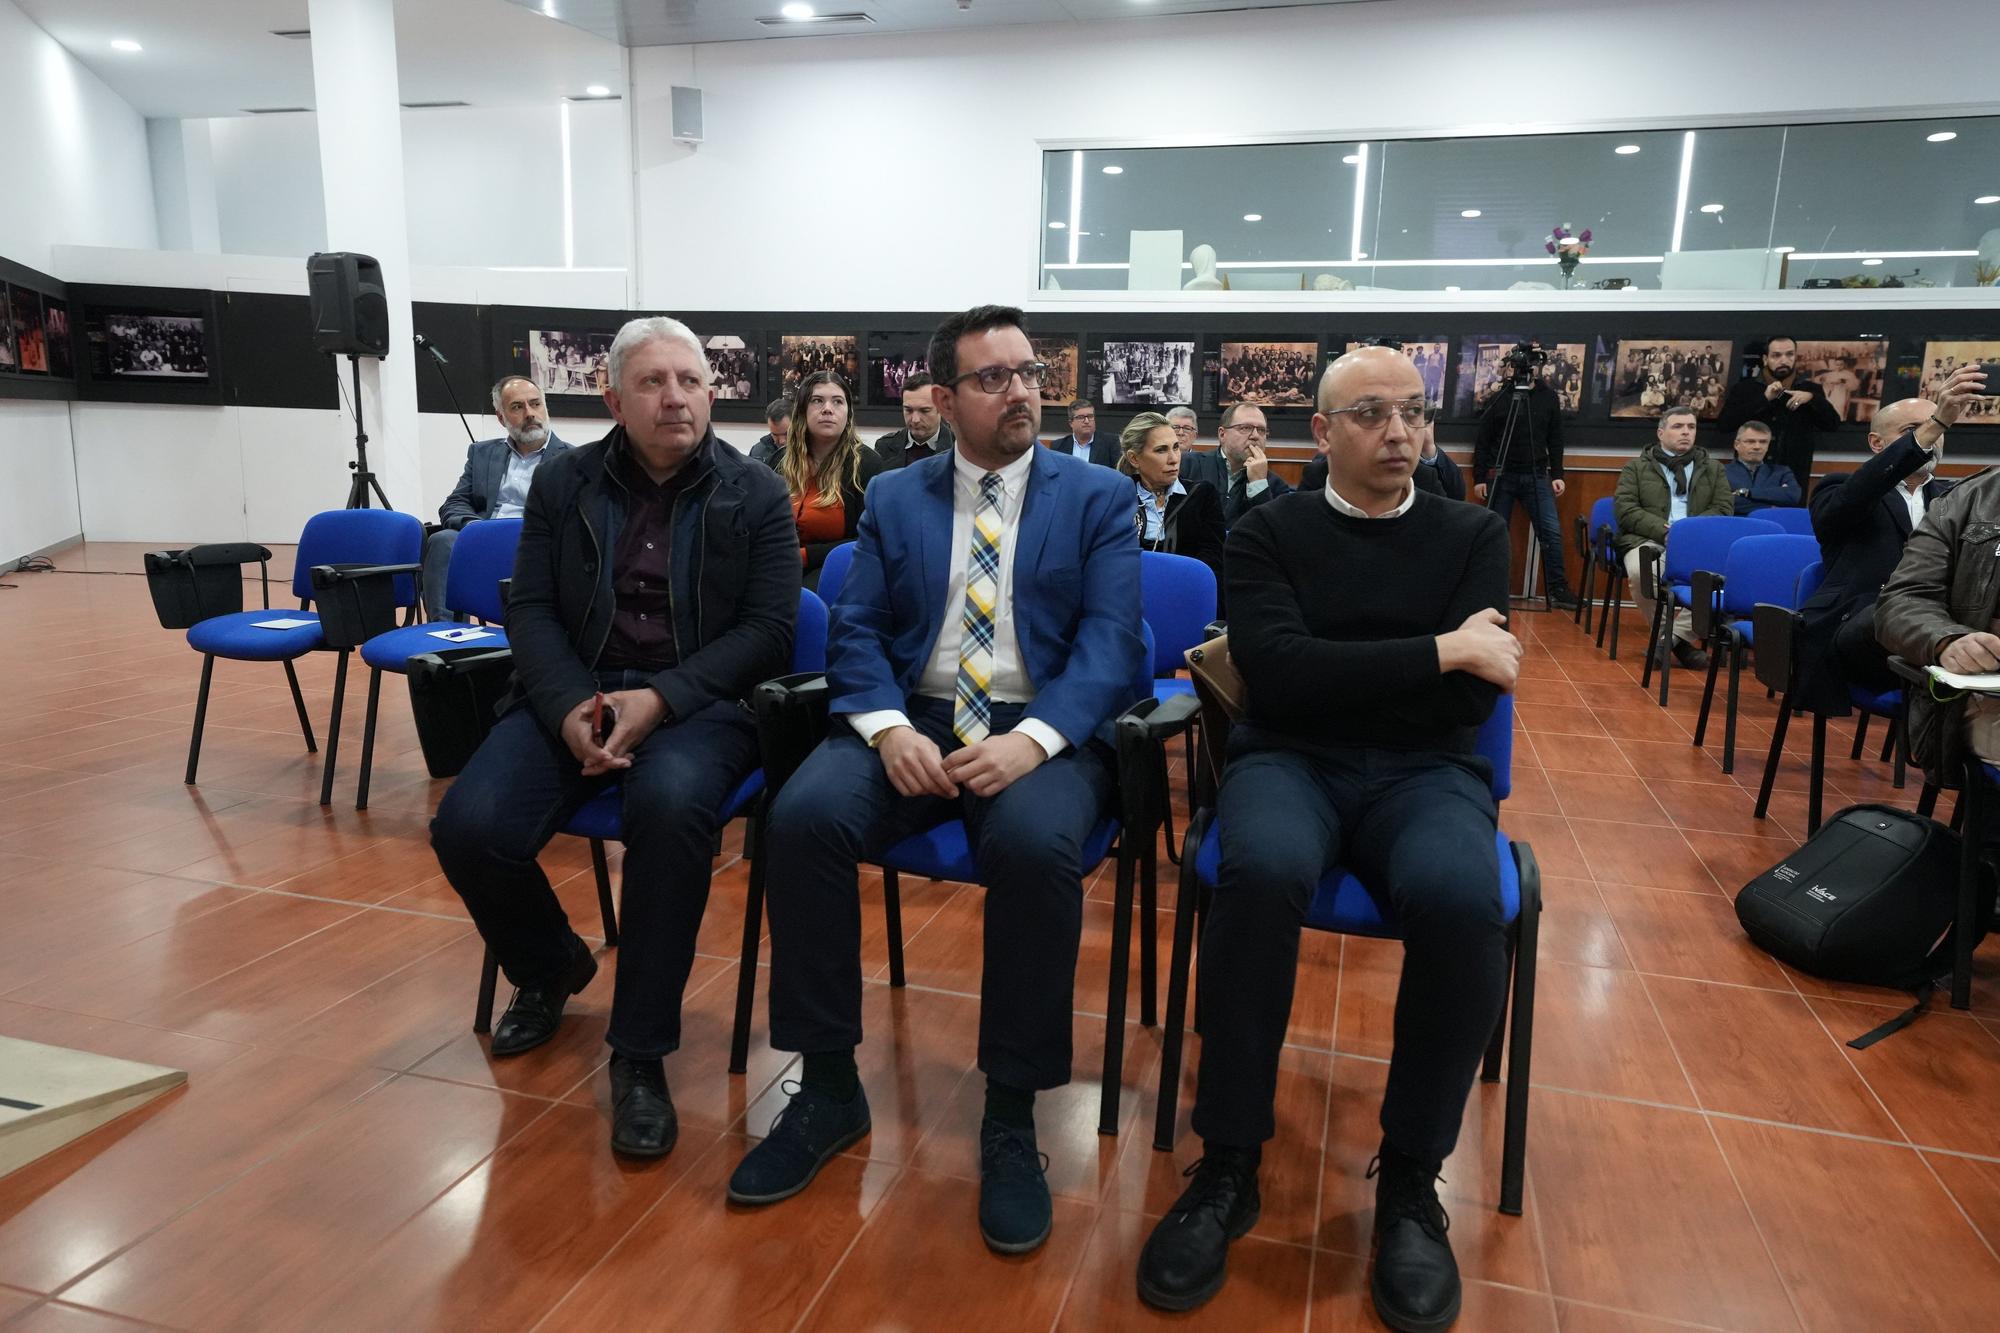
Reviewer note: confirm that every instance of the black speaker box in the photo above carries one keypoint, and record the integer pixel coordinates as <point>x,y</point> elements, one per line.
<point>350,309</point>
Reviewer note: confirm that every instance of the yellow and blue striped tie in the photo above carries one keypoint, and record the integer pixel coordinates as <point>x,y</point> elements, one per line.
<point>972,714</point>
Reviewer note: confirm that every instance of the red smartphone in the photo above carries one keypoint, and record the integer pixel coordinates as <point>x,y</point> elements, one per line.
<point>603,718</point>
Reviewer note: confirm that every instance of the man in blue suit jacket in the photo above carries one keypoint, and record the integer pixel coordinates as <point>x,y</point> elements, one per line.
<point>987,633</point>
<point>496,478</point>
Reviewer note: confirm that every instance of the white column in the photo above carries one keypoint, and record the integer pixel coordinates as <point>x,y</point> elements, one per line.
<point>361,171</point>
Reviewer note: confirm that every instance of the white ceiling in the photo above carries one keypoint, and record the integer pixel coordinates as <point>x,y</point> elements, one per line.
<point>218,57</point>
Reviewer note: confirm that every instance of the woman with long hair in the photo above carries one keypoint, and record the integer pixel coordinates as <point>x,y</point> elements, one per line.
<point>826,468</point>
<point>1170,515</point>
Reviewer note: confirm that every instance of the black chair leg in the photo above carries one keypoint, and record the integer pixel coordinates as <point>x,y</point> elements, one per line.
<point>201,715</point>
<point>489,976</point>
<point>1114,1000</point>
<point>1653,640</point>
<point>299,702</point>
<point>1816,790</point>
<point>1973,798</point>
<point>1168,1102</point>
<point>1707,699</point>
<point>1582,614</point>
<point>1489,1067</point>
<point>1149,872</point>
<point>1861,722</point>
<point>1616,611</point>
<point>1729,707</point>
<point>333,730</point>
<point>892,911</point>
<point>1899,747</point>
<point>753,936</point>
<point>1514,1151</point>
<point>1777,752</point>
<point>368,737</point>
<point>1888,742</point>
<point>1927,799</point>
<point>601,868</point>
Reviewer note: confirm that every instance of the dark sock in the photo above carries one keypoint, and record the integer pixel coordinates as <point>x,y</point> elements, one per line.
<point>1013,1107</point>
<point>1254,1154</point>
<point>833,1073</point>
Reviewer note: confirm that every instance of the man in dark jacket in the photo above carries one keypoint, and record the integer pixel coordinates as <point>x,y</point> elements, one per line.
<point>924,432</point>
<point>1671,479</point>
<point>778,419</point>
<point>1863,520</point>
<point>1083,441</point>
<point>496,478</point>
<point>656,585</point>
<point>1525,465</point>
<point>1795,409</point>
<point>1755,481</point>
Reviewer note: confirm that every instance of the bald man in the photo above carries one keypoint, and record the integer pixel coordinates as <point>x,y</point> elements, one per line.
<point>1367,619</point>
<point>1862,520</point>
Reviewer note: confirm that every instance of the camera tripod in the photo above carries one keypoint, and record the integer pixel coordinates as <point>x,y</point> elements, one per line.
<point>1519,385</point>
<point>364,480</point>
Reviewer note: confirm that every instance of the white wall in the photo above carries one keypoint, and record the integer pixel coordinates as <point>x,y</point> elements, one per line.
<point>715,234</point>
<point>268,198</point>
<point>38,503</point>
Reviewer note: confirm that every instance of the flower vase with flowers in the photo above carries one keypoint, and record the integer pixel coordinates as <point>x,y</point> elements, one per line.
<point>1569,248</point>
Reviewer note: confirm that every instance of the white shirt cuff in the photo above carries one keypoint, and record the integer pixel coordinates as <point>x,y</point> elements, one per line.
<point>1042,734</point>
<point>870,725</point>
<point>1258,487</point>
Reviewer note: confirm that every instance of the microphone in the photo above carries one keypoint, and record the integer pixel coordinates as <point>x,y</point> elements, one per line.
<point>431,347</point>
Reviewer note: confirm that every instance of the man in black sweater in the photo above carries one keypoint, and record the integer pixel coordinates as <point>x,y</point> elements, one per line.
<point>1366,691</point>
<point>1794,408</point>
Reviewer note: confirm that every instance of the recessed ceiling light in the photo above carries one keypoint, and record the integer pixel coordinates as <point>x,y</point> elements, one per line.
<point>1352,159</point>
<point>1057,226</point>
<point>1711,208</point>
<point>1114,171</point>
<point>1452,289</point>
<point>1253,217</point>
<point>597,90</point>
<point>1783,249</point>
<point>1468,212</point>
<point>1942,136</point>
<point>1626,149</point>
<point>1987,199</point>
<point>1870,263</point>
<point>125,44</point>
<point>796,12</point>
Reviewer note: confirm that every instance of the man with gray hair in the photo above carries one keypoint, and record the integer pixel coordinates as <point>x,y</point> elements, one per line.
<point>656,586</point>
<point>496,478</point>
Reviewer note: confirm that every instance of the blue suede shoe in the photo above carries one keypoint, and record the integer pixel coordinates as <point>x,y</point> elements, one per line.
<point>812,1128</point>
<point>1014,1211</point>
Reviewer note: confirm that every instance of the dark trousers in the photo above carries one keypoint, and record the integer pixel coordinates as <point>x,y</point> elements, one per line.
<point>523,784</point>
<point>1534,493</point>
<point>840,809</point>
<point>1860,657</point>
<point>1417,830</point>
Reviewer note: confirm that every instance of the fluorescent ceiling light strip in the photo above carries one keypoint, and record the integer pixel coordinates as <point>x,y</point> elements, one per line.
<point>1395,263</point>
<point>1360,201</point>
<point>569,197</point>
<point>1885,254</point>
<point>1681,197</point>
<point>1075,203</point>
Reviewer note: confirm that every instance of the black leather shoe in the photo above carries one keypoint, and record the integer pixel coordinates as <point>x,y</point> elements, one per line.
<point>1415,1283</point>
<point>643,1123</point>
<point>1015,1213</point>
<point>1562,599</point>
<point>531,1018</point>
<point>1689,656</point>
<point>1186,1258</point>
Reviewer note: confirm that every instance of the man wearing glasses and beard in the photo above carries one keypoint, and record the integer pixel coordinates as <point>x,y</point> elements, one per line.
<point>1366,618</point>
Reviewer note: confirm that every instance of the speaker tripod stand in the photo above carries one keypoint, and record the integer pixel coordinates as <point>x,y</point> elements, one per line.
<point>364,482</point>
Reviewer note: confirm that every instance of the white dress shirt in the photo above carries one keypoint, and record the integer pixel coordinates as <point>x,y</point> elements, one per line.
<point>512,501</point>
<point>1009,683</point>
<point>1341,506</point>
<point>1913,499</point>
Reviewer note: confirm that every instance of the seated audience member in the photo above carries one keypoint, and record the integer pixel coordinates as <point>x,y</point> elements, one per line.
<point>1366,619</point>
<point>826,468</point>
<point>1083,441</point>
<point>924,432</point>
<point>778,417</point>
<point>988,634</point>
<point>1197,464</point>
<point>495,481</point>
<point>1863,520</point>
<point>1249,480</point>
<point>1796,409</point>
<point>1671,479</point>
<point>662,650</point>
<point>1754,481</point>
<point>1171,515</point>
<point>1436,472</point>
<point>1938,607</point>
<point>1526,468</point>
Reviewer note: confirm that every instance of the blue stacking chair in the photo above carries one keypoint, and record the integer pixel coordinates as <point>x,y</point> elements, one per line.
<point>1692,543</point>
<point>336,550</point>
<point>833,572</point>
<point>1342,905</point>
<point>1762,569</point>
<point>601,819</point>
<point>1604,557</point>
<point>1795,519</point>
<point>481,558</point>
<point>1177,596</point>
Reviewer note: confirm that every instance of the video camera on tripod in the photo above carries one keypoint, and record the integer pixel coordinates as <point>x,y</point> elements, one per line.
<point>1519,364</point>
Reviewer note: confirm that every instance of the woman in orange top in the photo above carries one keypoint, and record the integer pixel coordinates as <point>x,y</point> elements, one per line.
<point>826,468</point>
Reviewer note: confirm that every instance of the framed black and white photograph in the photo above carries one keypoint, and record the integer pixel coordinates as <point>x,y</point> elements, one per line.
<point>1480,371</point>
<point>30,342</point>
<point>1145,374</point>
<point>892,359</point>
<point>1851,373</point>
<point>9,360</point>
<point>1060,383</point>
<point>55,336</point>
<point>1430,356</point>
<point>732,359</point>
<point>1650,375</point>
<point>803,354</point>
<point>1941,358</point>
<point>569,361</point>
<point>1267,374</point>
<point>128,346</point>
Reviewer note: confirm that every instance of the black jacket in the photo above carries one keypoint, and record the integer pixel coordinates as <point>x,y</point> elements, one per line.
<point>766,450</point>
<point>1440,476</point>
<point>853,498</point>
<point>1862,525</point>
<point>1537,446</point>
<point>1193,527</point>
<point>1794,430</point>
<point>894,448</point>
<point>1104,449</point>
<point>735,588</point>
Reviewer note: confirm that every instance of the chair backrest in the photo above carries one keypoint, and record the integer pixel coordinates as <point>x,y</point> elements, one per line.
<point>359,537</point>
<point>1809,580</point>
<point>1496,743</point>
<point>1704,542</point>
<point>1604,524</point>
<point>1791,518</point>
<point>1177,599</point>
<point>480,558</point>
<point>1765,569</point>
<point>809,634</point>
<point>833,572</point>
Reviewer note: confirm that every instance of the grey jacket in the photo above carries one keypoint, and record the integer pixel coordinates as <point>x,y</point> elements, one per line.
<point>478,489</point>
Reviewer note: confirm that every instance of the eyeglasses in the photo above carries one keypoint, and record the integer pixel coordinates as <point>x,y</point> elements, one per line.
<point>995,379</point>
<point>1416,414</point>
<point>1254,432</point>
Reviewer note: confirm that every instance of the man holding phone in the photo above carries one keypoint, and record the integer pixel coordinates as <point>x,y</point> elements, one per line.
<point>656,585</point>
<point>1793,407</point>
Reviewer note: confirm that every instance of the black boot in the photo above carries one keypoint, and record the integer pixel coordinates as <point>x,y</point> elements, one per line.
<point>1415,1283</point>
<point>1187,1256</point>
<point>643,1123</point>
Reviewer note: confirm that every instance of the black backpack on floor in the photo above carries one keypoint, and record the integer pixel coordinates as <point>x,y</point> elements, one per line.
<point>1868,899</point>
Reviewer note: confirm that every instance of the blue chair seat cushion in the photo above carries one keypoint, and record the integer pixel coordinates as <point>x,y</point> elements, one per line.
<point>1341,903</point>
<point>392,651</point>
<point>1884,704</point>
<point>1169,687</point>
<point>944,852</point>
<point>603,815</point>
<point>236,636</point>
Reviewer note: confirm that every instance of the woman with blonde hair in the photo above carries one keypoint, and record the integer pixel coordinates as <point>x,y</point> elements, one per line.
<point>1170,515</point>
<point>826,468</point>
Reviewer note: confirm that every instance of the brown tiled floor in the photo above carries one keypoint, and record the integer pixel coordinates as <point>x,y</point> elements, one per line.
<point>1703,1149</point>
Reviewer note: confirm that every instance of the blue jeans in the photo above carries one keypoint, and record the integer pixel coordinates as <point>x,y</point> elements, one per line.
<point>1416,828</point>
<point>523,784</point>
<point>1539,498</point>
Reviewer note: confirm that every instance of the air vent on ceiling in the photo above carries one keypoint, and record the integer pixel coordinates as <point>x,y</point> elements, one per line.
<point>293,34</point>
<point>426,106</point>
<point>273,110</point>
<point>816,21</point>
